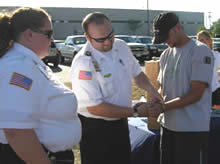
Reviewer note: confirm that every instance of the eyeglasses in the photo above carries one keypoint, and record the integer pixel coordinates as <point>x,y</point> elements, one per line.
<point>101,40</point>
<point>48,33</point>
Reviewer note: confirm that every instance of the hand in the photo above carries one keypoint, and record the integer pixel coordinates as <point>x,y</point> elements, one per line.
<point>142,108</point>
<point>138,104</point>
<point>155,109</point>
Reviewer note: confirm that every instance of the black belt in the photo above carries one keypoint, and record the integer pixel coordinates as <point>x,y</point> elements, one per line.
<point>5,147</point>
<point>102,122</point>
<point>62,157</point>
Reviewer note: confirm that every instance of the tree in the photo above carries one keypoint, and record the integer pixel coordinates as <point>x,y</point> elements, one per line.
<point>134,25</point>
<point>216,27</point>
<point>202,28</point>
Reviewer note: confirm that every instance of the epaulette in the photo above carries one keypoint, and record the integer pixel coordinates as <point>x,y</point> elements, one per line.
<point>88,53</point>
<point>94,62</point>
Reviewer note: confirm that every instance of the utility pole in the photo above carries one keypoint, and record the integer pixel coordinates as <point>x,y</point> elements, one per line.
<point>210,19</point>
<point>148,19</point>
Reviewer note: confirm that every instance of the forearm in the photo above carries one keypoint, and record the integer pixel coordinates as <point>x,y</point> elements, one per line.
<point>144,83</point>
<point>26,145</point>
<point>111,110</point>
<point>174,104</point>
<point>115,111</point>
<point>181,102</point>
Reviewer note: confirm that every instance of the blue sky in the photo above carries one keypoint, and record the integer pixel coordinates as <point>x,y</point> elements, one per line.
<point>210,8</point>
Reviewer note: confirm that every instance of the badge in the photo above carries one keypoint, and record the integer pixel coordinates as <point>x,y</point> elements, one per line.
<point>96,65</point>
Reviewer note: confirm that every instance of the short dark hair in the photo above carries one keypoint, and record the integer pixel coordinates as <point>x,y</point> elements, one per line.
<point>95,17</point>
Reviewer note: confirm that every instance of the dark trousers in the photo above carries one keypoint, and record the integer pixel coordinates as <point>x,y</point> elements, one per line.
<point>183,147</point>
<point>8,156</point>
<point>216,97</point>
<point>105,142</point>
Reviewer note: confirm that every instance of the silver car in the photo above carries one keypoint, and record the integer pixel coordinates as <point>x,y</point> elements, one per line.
<point>72,46</point>
<point>139,50</point>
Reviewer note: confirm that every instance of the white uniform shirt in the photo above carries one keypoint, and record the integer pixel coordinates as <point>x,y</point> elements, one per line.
<point>111,85</point>
<point>215,81</point>
<point>46,105</point>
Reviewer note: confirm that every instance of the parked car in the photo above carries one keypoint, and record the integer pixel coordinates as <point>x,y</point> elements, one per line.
<point>139,50</point>
<point>147,40</point>
<point>144,39</point>
<point>54,57</point>
<point>160,48</point>
<point>217,35</point>
<point>59,44</point>
<point>72,45</point>
<point>216,45</point>
<point>194,37</point>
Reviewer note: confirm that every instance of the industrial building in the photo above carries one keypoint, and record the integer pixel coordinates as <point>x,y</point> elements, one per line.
<point>67,21</point>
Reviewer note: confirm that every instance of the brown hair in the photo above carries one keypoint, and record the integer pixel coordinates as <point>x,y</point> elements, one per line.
<point>96,17</point>
<point>207,36</point>
<point>13,24</point>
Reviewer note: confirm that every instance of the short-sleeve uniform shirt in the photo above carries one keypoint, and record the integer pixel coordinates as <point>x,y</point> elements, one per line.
<point>32,98</point>
<point>108,79</point>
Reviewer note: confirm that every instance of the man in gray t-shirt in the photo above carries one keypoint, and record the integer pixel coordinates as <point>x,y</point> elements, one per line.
<point>185,77</point>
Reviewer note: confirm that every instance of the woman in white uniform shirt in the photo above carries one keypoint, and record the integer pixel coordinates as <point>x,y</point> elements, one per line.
<point>38,118</point>
<point>205,37</point>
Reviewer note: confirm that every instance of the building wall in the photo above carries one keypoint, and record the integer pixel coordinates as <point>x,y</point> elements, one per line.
<point>67,21</point>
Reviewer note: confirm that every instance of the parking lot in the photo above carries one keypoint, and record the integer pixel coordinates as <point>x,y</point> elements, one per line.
<point>63,71</point>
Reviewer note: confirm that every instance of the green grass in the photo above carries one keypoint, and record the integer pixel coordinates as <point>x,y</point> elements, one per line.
<point>77,155</point>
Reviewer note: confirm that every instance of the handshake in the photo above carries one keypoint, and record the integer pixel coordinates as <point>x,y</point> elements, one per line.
<point>149,109</point>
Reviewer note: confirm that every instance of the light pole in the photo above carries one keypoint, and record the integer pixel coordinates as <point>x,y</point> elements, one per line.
<point>210,20</point>
<point>148,19</point>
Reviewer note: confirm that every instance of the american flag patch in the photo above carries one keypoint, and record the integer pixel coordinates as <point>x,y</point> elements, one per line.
<point>21,81</point>
<point>85,75</point>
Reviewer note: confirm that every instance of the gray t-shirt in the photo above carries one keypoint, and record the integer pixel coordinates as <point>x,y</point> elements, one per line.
<point>178,67</point>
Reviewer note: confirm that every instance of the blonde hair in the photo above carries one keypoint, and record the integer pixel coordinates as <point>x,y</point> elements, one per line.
<point>207,36</point>
<point>13,24</point>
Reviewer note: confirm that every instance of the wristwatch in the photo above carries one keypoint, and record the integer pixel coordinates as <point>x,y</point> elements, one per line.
<point>135,113</point>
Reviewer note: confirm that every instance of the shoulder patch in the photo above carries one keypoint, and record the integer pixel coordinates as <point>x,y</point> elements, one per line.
<point>207,60</point>
<point>85,75</point>
<point>21,81</point>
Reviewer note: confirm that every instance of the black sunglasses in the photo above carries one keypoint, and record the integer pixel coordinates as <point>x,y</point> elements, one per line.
<point>101,40</point>
<point>48,33</point>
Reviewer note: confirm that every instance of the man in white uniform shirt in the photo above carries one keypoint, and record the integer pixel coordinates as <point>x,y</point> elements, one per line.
<point>101,75</point>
